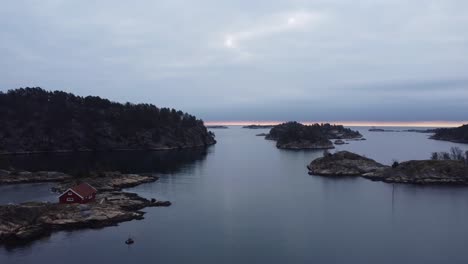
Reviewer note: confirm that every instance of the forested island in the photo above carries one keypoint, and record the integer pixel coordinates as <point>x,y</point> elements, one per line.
<point>36,120</point>
<point>294,135</point>
<point>457,134</point>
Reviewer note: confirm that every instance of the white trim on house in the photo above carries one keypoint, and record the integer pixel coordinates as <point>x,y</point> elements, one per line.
<point>71,190</point>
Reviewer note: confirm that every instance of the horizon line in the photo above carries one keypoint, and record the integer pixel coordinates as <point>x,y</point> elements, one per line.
<point>349,123</point>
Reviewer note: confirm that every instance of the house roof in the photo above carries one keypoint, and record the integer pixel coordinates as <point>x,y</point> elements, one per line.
<point>82,190</point>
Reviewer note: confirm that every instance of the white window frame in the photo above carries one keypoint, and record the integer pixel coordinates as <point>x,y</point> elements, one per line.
<point>70,199</point>
<point>69,193</point>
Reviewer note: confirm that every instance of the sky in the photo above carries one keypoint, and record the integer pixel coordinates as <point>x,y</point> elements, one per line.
<point>348,60</point>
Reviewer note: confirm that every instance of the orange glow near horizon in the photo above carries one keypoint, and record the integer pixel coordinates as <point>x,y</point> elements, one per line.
<point>350,123</point>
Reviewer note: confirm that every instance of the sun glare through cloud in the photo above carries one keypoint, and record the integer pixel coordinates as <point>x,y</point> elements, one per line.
<point>273,25</point>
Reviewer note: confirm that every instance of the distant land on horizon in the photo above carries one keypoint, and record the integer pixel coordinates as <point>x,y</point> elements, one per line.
<point>349,123</point>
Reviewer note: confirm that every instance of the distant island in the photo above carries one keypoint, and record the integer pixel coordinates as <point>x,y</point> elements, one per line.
<point>457,134</point>
<point>430,130</point>
<point>294,135</point>
<point>258,126</point>
<point>443,168</point>
<point>217,127</point>
<point>382,130</point>
<point>35,120</point>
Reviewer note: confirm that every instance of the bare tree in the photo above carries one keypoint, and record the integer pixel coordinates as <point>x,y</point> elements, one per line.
<point>444,156</point>
<point>434,156</point>
<point>456,153</point>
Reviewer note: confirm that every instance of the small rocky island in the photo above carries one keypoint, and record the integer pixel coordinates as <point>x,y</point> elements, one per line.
<point>34,120</point>
<point>457,134</point>
<point>217,127</point>
<point>374,129</point>
<point>294,135</point>
<point>345,163</point>
<point>258,126</point>
<point>25,222</point>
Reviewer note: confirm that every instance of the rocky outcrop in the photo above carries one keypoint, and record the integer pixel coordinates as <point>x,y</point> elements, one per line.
<point>28,221</point>
<point>343,163</point>
<point>107,181</point>
<point>17,177</point>
<point>339,142</point>
<point>451,172</point>
<point>261,135</point>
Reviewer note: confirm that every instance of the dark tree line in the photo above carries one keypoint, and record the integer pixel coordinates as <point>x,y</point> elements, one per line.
<point>458,134</point>
<point>49,120</point>
<point>455,154</point>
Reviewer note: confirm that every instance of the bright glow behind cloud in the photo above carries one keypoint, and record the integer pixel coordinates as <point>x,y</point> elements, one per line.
<point>273,25</point>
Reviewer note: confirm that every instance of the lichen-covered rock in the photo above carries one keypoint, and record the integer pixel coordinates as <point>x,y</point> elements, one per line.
<point>16,177</point>
<point>343,163</point>
<point>424,172</point>
<point>25,222</point>
<point>107,181</point>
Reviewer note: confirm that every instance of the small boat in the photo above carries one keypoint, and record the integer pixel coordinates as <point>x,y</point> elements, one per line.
<point>129,241</point>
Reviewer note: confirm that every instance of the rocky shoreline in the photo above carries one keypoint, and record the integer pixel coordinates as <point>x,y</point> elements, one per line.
<point>305,144</point>
<point>18,177</point>
<point>162,148</point>
<point>26,222</point>
<point>344,163</point>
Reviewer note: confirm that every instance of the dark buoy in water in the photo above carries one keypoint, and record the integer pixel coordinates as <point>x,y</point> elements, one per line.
<point>129,241</point>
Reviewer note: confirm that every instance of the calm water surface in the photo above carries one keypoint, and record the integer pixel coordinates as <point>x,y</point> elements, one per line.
<point>244,201</point>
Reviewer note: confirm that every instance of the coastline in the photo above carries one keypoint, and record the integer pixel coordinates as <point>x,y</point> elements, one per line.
<point>110,150</point>
<point>26,222</point>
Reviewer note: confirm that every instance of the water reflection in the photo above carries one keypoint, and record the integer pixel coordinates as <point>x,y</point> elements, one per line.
<point>124,161</point>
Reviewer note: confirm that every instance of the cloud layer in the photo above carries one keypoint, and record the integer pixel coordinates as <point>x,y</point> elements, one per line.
<point>262,60</point>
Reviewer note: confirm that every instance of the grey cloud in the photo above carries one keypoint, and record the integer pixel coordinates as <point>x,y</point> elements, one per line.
<point>401,59</point>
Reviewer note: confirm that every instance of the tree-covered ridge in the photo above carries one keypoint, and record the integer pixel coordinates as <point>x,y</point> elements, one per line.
<point>457,134</point>
<point>33,119</point>
<point>297,135</point>
<point>296,131</point>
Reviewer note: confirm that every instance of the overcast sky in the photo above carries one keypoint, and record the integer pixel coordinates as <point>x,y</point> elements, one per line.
<point>381,60</point>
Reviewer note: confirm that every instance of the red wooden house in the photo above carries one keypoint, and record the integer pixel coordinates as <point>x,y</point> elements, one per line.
<point>82,193</point>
